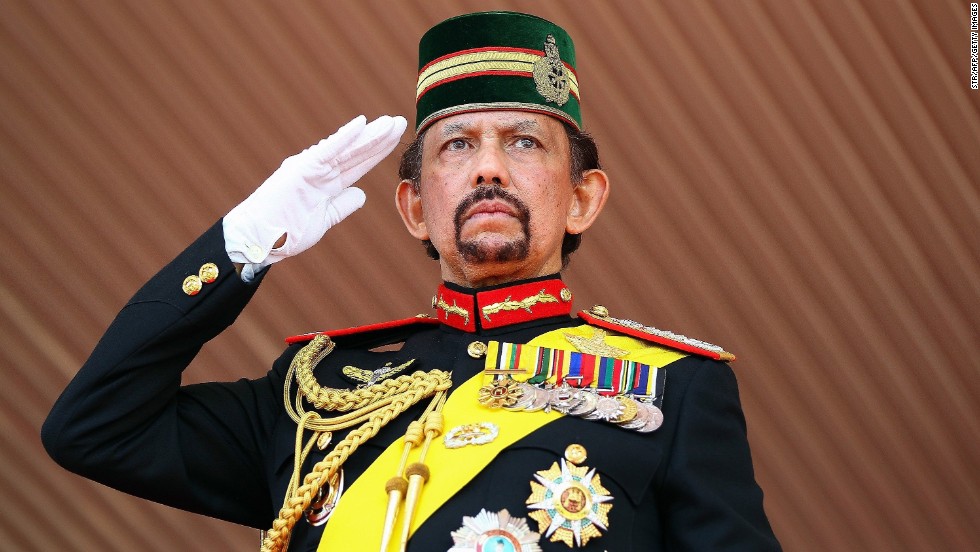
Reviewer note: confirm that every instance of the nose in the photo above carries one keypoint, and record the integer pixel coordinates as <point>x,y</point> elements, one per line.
<point>490,167</point>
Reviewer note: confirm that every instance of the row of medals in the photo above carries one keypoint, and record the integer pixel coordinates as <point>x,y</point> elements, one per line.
<point>626,411</point>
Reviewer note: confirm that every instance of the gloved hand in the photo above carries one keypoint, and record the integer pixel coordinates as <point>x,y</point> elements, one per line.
<point>308,194</point>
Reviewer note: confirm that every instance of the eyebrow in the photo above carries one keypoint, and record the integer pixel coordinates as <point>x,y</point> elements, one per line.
<point>523,125</point>
<point>453,128</point>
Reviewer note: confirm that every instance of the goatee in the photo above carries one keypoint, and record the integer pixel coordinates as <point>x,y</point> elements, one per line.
<point>476,251</point>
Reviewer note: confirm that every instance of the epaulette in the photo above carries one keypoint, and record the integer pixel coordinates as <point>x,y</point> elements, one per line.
<point>599,316</point>
<point>407,324</point>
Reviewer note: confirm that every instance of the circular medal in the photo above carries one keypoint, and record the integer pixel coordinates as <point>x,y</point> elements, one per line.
<point>526,398</point>
<point>606,409</point>
<point>656,418</point>
<point>494,532</point>
<point>587,403</point>
<point>563,398</point>
<point>541,398</point>
<point>642,418</point>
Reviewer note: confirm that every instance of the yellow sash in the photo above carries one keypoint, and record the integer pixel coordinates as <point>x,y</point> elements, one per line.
<point>356,524</point>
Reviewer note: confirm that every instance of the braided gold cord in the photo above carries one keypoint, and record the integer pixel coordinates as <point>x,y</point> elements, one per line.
<point>373,407</point>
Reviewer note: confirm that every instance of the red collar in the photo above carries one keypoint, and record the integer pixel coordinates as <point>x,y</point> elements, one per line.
<point>470,310</point>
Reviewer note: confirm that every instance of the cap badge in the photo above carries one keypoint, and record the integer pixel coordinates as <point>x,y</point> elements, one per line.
<point>569,503</point>
<point>493,532</point>
<point>550,74</point>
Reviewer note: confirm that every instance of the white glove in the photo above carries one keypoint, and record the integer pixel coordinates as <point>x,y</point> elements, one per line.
<point>308,194</point>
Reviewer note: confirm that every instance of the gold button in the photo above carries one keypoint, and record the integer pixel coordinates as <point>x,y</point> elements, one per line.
<point>477,349</point>
<point>566,294</point>
<point>192,285</point>
<point>208,273</point>
<point>575,453</point>
<point>600,311</point>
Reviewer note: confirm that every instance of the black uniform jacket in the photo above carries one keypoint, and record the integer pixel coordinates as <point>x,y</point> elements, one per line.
<point>226,449</point>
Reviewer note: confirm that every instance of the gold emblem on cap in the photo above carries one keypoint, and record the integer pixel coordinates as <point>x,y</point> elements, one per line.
<point>192,285</point>
<point>550,75</point>
<point>208,273</point>
<point>566,294</point>
<point>477,349</point>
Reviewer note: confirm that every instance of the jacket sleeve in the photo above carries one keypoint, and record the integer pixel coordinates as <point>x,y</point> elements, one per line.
<point>711,500</point>
<point>126,421</point>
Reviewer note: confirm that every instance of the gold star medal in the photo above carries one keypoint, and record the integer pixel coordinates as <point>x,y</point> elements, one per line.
<point>569,502</point>
<point>493,532</point>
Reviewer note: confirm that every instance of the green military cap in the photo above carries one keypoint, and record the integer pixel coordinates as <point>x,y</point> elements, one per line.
<point>496,60</point>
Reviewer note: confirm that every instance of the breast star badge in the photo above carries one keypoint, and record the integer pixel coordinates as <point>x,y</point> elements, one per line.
<point>493,532</point>
<point>569,502</point>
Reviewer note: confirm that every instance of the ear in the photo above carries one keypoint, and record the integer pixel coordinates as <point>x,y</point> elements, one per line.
<point>588,198</point>
<point>409,205</point>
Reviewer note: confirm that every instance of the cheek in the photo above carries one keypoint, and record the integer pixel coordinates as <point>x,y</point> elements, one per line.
<point>438,210</point>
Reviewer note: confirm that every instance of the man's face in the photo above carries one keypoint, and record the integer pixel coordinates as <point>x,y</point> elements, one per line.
<point>495,193</point>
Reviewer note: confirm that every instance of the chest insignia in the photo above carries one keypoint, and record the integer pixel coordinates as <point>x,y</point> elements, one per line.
<point>493,531</point>
<point>569,502</point>
<point>595,344</point>
<point>369,377</point>
<point>479,433</point>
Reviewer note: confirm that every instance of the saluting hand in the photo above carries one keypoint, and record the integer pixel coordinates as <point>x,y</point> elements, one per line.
<point>308,194</point>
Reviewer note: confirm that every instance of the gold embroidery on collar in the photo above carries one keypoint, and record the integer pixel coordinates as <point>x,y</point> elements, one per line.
<point>595,344</point>
<point>526,304</point>
<point>453,309</point>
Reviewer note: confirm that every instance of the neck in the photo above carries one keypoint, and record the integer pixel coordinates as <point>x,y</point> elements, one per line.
<point>481,275</point>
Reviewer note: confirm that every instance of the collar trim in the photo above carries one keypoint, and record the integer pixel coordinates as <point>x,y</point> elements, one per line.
<point>473,310</point>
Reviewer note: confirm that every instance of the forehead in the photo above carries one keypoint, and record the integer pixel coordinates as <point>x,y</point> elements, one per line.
<point>495,121</point>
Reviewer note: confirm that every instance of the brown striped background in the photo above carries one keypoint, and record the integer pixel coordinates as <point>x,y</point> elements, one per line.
<point>796,180</point>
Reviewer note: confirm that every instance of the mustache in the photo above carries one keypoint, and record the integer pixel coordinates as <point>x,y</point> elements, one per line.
<point>495,191</point>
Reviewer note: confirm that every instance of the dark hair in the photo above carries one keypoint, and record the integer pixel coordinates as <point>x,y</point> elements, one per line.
<point>584,156</point>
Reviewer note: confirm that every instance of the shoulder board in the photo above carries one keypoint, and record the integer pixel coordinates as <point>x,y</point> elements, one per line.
<point>599,316</point>
<point>391,324</point>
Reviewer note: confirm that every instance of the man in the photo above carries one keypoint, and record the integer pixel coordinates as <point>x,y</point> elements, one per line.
<point>501,421</point>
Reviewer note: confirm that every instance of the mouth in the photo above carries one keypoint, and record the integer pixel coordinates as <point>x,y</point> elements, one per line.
<point>489,209</point>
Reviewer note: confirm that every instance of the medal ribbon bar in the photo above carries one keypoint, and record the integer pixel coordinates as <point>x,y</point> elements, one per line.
<point>608,376</point>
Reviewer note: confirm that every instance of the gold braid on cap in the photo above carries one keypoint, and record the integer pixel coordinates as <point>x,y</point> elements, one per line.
<point>371,408</point>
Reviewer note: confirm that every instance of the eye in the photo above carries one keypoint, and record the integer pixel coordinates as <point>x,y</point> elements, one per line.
<point>456,144</point>
<point>526,143</point>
